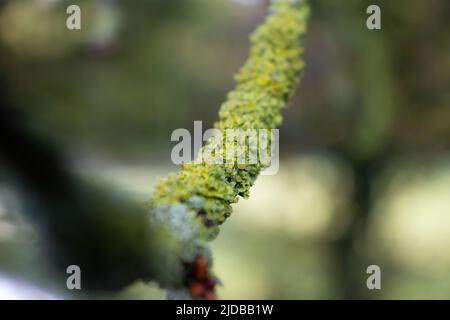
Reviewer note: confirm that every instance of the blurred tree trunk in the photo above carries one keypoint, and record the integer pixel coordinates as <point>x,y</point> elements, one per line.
<point>348,249</point>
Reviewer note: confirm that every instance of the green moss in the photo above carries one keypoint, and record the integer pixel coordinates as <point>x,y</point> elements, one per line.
<point>264,84</point>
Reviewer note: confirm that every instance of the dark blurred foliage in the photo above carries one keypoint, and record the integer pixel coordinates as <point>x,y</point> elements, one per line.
<point>132,92</point>
<point>172,61</point>
<point>365,91</point>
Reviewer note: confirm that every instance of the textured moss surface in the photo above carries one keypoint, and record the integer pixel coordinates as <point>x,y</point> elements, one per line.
<point>195,201</point>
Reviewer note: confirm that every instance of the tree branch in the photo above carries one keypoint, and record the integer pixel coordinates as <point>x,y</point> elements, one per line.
<point>196,201</point>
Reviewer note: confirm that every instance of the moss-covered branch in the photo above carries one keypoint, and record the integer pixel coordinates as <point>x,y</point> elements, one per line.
<point>194,202</point>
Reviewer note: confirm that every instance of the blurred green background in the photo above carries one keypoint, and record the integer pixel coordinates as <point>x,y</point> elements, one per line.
<point>365,163</point>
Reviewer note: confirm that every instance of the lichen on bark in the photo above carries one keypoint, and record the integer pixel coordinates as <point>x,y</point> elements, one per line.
<point>195,201</point>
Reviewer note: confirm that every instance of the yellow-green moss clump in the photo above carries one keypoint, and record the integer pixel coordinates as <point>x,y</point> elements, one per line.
<point>198,199</point>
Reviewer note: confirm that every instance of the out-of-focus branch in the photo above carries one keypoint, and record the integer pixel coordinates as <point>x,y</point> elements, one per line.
<point>111,239</point>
